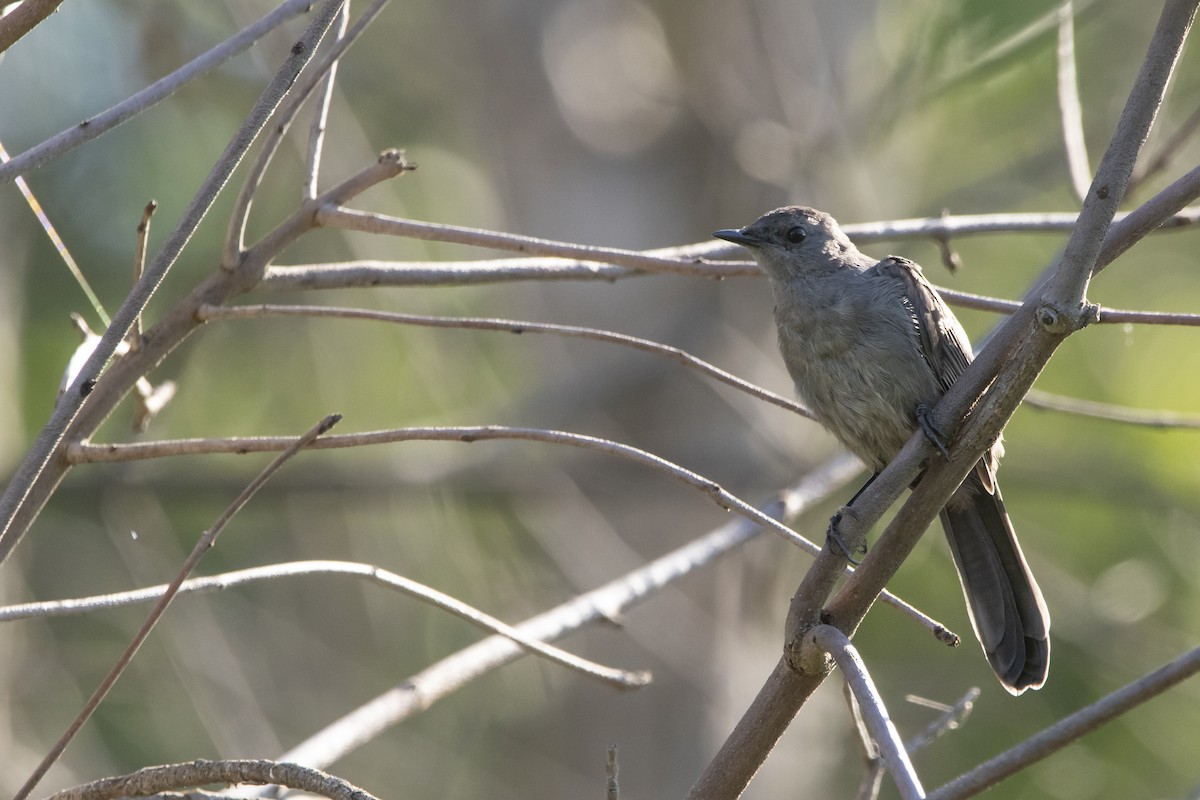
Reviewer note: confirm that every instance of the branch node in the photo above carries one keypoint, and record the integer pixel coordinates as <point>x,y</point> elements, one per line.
<point>1053,319</point>
<point>805,656</point>
<point>395,157</point>
<point>1062,322</point>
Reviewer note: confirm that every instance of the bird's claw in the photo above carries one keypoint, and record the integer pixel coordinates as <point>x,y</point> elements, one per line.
<point>930,429</point>
<point>834,538</point>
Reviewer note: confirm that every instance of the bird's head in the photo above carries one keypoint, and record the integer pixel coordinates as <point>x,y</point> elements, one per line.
<point>795,240</point>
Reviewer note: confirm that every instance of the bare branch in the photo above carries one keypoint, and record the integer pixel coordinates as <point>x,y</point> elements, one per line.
<point>93,453</point>
<point>370,273</point>
<point>514,326</point>
<point>1009,363</point>
<point>81,453</point>
<point>1106,315</point>
<point>68,407</point>
<point>1066,292</point>
<point>52,233</point>
<point>874,712</point>
<point>1162,159</point>
<point>618,678</point>
<point>612,265</point>
<point>316,131</point>
<point>206,541</point>
<point>288,111</point>
<point>976,224</point>
<point>161,89</point>
<point>171,777</point>
<point>252,262</point>
<point>1067,730</point>
<point>1157,212</point>
<point>952,718</point>
<point>1036,338</point>
<point>24,18</point>
<point>347,219</point>
<point>1111,412</point>
<point>416,693</point>
<point>612,786</point>
<point>1069,107</point>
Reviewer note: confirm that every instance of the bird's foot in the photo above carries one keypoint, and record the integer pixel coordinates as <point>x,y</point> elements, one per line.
<point>836,541</point>
<point>931,430</point>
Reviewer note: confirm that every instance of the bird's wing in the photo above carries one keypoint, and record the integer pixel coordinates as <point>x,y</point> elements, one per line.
<point>944,344</point>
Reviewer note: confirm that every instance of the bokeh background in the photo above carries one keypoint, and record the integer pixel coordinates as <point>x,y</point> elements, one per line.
<point>608,122</point>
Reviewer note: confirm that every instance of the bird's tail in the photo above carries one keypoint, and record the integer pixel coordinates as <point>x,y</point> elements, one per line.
<point>1006,606</point>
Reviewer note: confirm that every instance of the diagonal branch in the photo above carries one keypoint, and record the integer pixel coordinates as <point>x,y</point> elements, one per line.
<point>24,18</point>
<point>39,454</point>
<point>1014,357</point>
<point>1068,287</point>
<point>203,545</point>
<point>161,89</point>
<point>1065,731</point>
<point>289,110</point>
<point>418,692</point>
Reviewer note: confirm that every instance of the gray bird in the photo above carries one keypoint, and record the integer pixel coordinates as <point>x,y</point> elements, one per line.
<point>872,348</point>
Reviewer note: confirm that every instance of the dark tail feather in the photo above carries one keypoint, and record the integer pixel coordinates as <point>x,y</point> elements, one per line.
<point>1005,603</point>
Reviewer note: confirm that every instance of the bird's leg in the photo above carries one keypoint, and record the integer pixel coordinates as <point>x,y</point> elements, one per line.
<point>834,536</point>
<point>930,429</point>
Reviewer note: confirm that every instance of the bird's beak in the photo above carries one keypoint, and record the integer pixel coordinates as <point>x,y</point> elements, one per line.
<point>737,237</point>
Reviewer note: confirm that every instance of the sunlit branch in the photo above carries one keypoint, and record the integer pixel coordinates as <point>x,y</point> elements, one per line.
<point>619,678</point>
<point>513,326</point>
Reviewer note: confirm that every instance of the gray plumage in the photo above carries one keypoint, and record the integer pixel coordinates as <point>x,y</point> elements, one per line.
<point>870,345</point>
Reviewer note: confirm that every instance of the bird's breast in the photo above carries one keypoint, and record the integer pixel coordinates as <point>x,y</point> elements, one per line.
<point>860,371</point>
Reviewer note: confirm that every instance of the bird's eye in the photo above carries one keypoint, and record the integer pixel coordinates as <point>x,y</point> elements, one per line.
<point>796,235</point>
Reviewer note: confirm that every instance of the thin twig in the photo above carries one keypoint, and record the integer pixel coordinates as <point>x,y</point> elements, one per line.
<point>1069,729</point>
<point>581,263</point>
<point>951,719</point>
<point>149,399</point>
<point>252,262</point>
<point>612,782</point>
<point>1160,212</point>
<point>59,245</point>
<point>514,326</point>
<point>1105,315</point>
<point>958,225</point>
<point>316,132</point>
<point>68,407</point>
<point>1166,153</point>
<point>288,110</point>
<point>139,266</point>
<point>81,452</point>
<point>1066,292</point>
<point>874,711</point>
<point>161,89</point>
<point>1069,107</point>
<point>370,273</point>
<point>175,777</point>
<point>348,219</point>
<point>618,678</point>
<point>1111,412</point>
<point>205,542</point>
<point>610,601</point>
